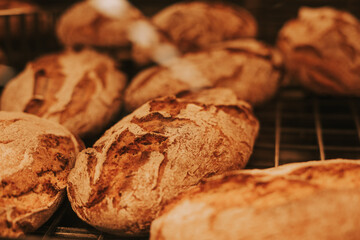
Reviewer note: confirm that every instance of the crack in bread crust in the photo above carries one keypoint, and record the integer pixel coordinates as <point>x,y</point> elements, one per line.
<point>156,152</point>
<point>36,157</point>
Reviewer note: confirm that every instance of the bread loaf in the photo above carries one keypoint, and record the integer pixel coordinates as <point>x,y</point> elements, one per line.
<point>195,25</point>
<point>92,24</point>
<point>155,153</point>
<point>321,50</point>
<point>250,68</point>
<point>301,201</point>
<point>81,90</point>
<point>116,27</point>
<point>36,156</point>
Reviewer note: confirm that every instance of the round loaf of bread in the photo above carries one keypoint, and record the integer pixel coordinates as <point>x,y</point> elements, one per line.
<point>155,153</point>
<point>250,68</point>
<point>80,90</point>
<point>321,49</point>
<point>36,156</point>
<point>302,201</point>
<point>193,26</point>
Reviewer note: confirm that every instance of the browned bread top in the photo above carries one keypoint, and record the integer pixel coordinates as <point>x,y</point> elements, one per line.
<point>250,68</point>
<point>193,26</point>
<point>92,23</point>
<point>153,154</point>
<point>36,157</point>
<point>81,90</point>
<point>294,201</point>
<point>321,48</point>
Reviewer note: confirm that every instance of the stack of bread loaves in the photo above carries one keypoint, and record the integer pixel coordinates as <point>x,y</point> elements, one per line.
<point>190,118</point>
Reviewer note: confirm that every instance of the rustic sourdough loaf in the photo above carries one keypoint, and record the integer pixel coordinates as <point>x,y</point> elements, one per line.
<point>85,23</point>
<point>301,201</point>
<point>250,68</point>
<point>157,152</point>
<point>321,50</point>
<point>80,90</point>
<point>115,27</point>
<point>195,25</point>
<point>36,156</point>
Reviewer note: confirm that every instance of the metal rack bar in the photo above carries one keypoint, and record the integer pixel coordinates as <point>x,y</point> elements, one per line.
<point>55,223</point>
<point>355,115</point>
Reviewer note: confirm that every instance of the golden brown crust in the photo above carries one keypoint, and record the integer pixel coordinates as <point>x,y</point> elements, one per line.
<point>193,26</point>
<point>36,158</point>
<point>250,68</point>
<point>304,195</point>
<point>158,151</point>
<point>321,50</point>
<point>84,24</point>
<point>81,90</point>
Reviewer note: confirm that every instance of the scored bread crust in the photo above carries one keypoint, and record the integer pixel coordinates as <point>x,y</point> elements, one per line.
<point>80,90</point>
<point>193,26</point>
<point>155,153</point>
<point>321,50</point>
<point>311,200</point>
<point>36,156</point>
<point>250,68</point>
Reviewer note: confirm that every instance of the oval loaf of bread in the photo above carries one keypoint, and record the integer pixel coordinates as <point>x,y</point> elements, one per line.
<point>155,153</point>
<point>321,49</point>
<point>91,23</point>
<point>80,90</point>
<point>301,201</point>
<point>195,25</point>
<point>115,27</point>
<point>250,68</point>
<point>36,156</point>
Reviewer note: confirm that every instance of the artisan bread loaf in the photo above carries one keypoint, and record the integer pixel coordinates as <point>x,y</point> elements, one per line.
<point>155,153</point>
<point>321,50</point>
<point>36,156</point>
<point>250,68</point>
<point>301,201</point>
<point>80,90</point>
<point>91,23</point>
<point>116,27</point>
<point>195,25</point>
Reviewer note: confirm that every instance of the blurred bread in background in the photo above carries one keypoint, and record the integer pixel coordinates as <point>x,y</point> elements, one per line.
<point>195,25</point>
<point>321,50</point>
<point>252,69</point>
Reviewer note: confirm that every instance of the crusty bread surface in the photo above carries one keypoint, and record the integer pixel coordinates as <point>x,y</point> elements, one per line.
<point>321,50</point>
<point>309,200</point>
<point>36,156</point>
<point>250,68</point>
<point>80,90</point>
<point>196,25</point>
<point>157,152</point>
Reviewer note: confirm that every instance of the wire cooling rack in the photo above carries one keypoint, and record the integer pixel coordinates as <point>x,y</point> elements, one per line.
<point>295,126</point>
<point>298,126</point>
